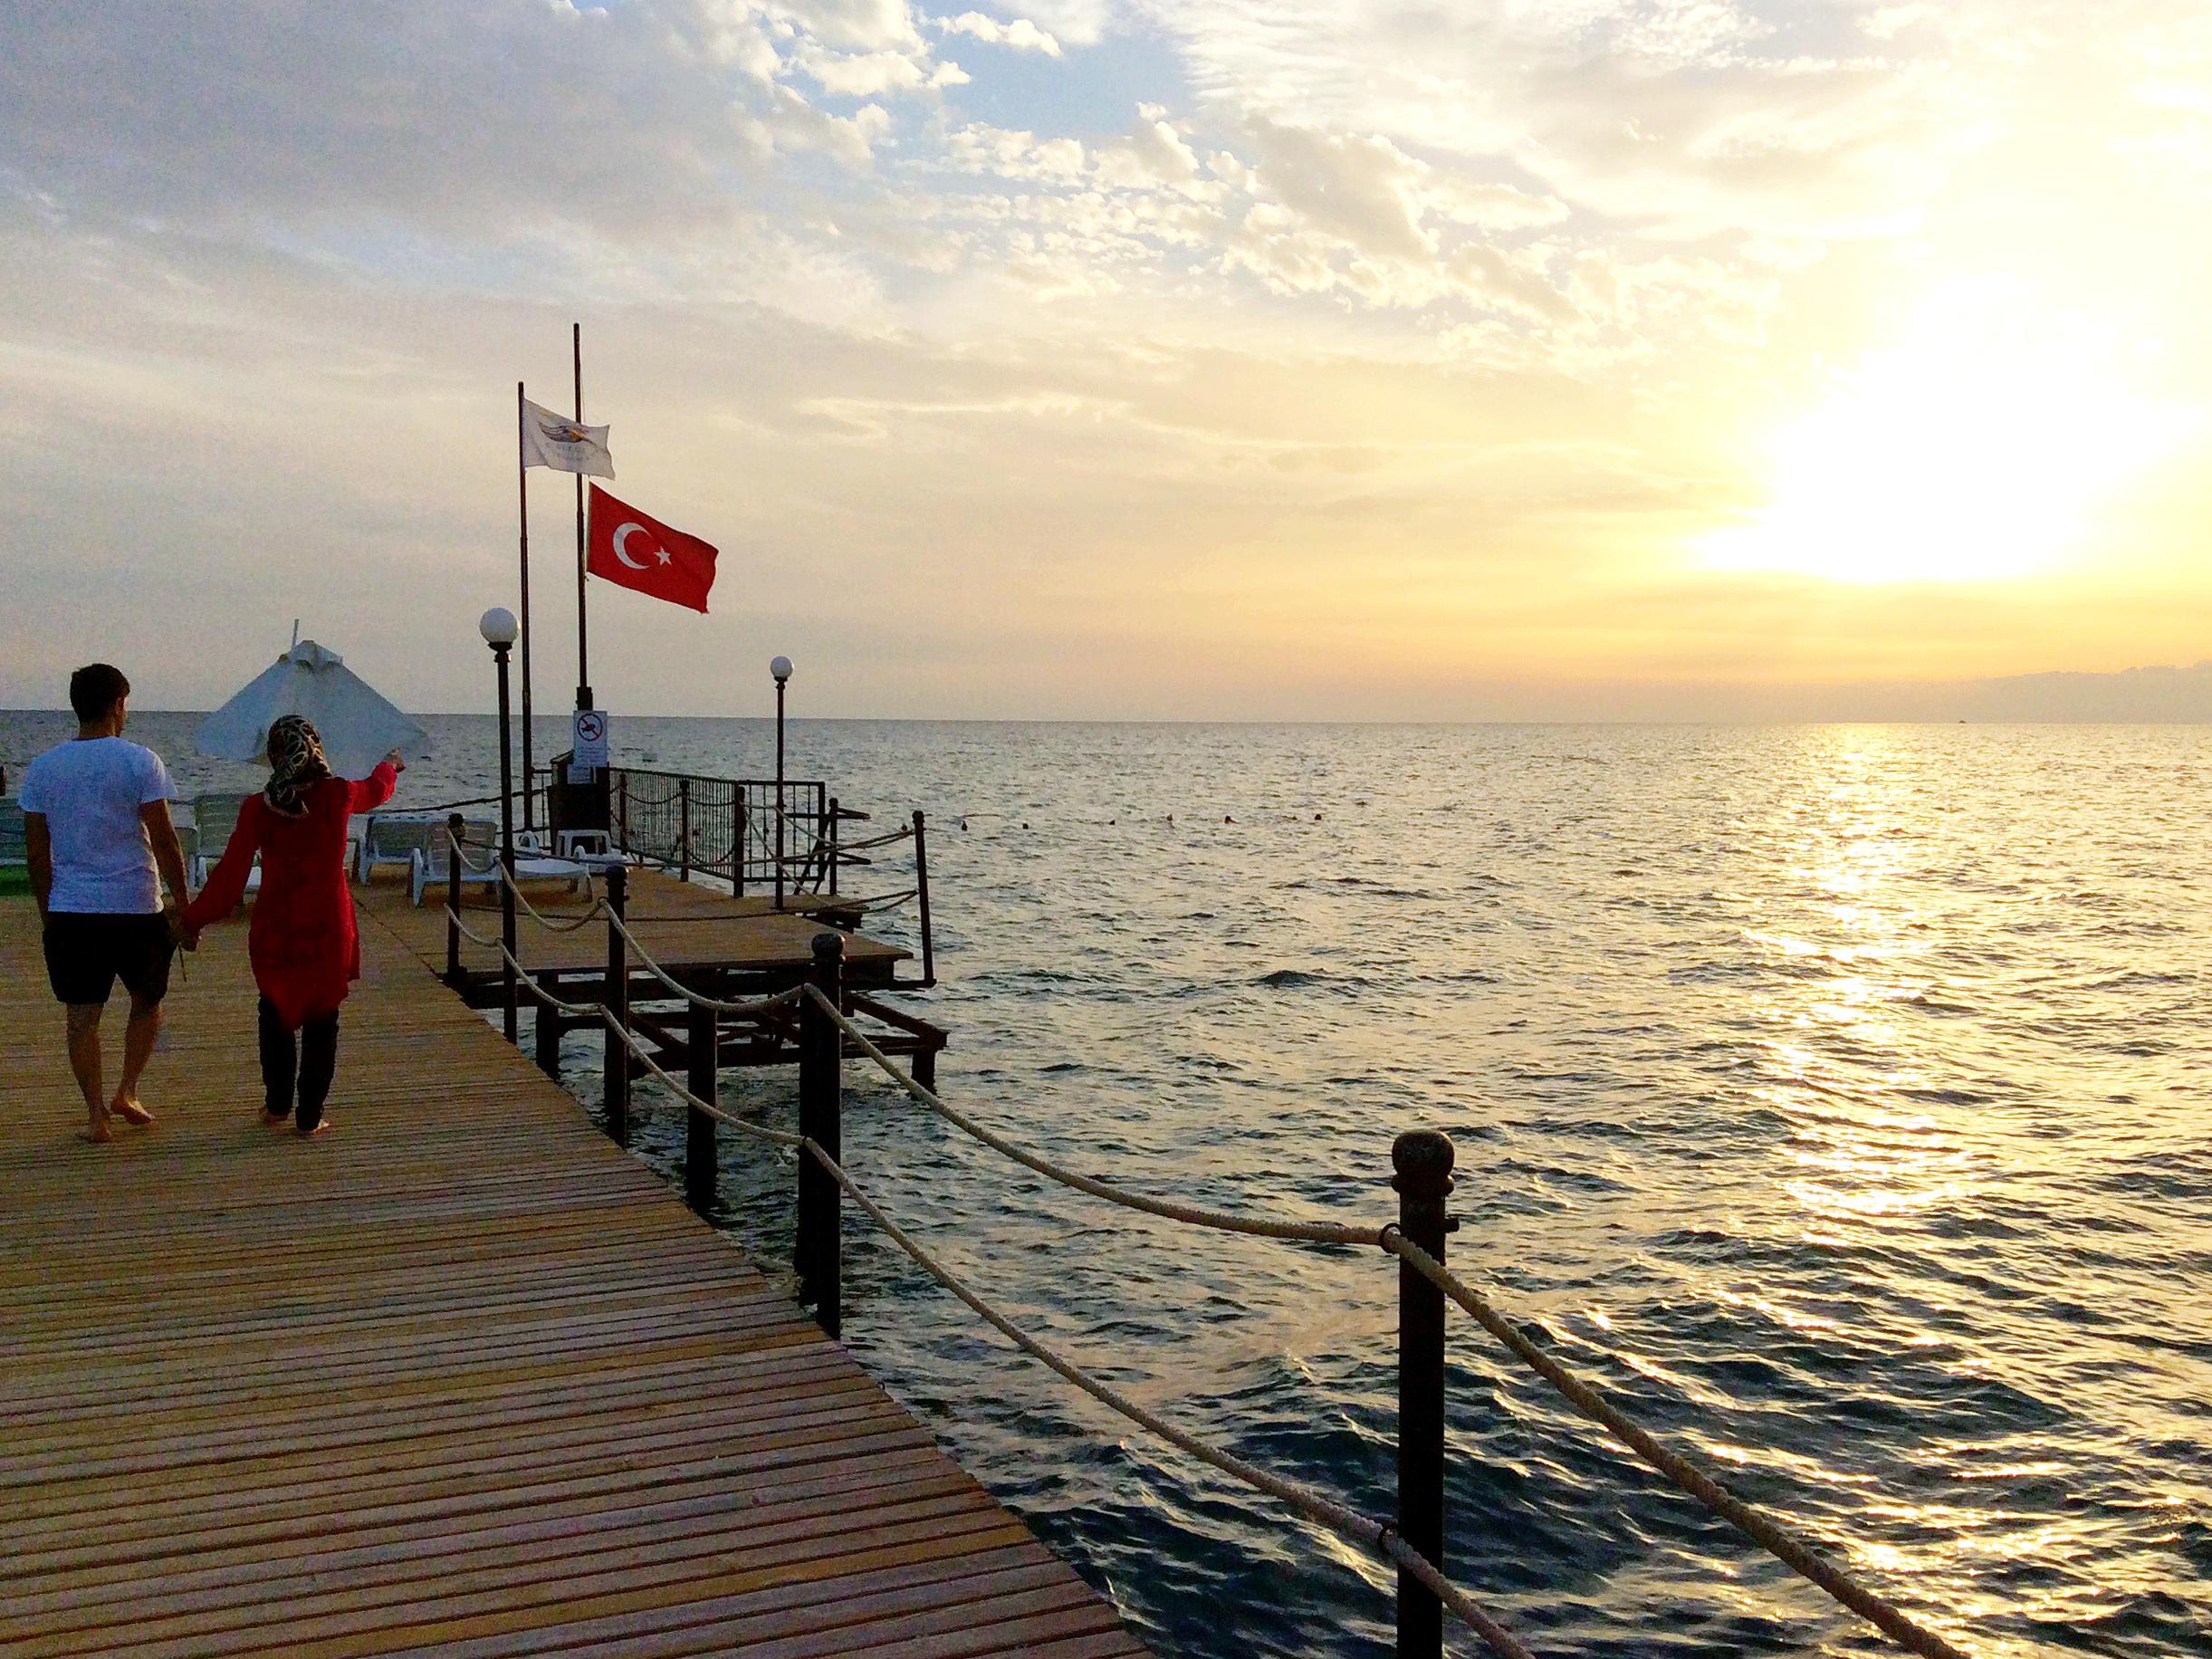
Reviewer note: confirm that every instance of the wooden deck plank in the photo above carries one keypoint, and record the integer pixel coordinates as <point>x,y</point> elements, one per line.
<point>459,1378</point>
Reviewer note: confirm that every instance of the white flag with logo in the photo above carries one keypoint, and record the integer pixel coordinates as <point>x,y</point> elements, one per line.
<point>564,445</point>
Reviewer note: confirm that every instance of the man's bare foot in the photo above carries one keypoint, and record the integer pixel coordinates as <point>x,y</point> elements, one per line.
<point>97,1131</point>
<point>131,1111</point>
<point>321,1128</point>
<point>276,1120</point>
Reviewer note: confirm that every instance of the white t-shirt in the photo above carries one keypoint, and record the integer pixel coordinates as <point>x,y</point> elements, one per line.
<point>90,790</point>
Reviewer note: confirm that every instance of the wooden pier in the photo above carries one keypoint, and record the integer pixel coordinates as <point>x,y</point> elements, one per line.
<point>460,1378</point>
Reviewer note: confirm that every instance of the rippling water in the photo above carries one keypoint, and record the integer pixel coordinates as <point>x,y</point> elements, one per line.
<point>1836,1096</point>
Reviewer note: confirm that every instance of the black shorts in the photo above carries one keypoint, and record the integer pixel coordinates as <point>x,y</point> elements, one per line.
<point>87,954</point>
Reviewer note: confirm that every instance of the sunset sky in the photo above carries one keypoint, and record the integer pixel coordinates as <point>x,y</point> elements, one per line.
<point>1231,358</point>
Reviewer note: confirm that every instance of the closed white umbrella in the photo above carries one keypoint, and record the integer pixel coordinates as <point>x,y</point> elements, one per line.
<point>358,725</point>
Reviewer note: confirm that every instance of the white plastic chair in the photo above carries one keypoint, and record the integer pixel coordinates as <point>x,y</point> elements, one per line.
<point>214,817</point>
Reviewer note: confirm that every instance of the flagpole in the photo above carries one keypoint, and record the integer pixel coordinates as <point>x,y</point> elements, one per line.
<point>583,655</point>
<point>521,491</point>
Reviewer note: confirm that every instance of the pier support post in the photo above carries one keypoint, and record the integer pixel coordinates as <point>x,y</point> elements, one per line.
<point>545,1030</point>
<point>921,886</point>
<point>835,818</point>
<point>705,1038</point>
<point>1423,1159</point>
<point>818,1248</point>
<point>616,1096</point>
<point>455,826</point>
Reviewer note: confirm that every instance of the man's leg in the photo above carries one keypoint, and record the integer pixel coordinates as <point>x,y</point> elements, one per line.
<point>142,962</point>
<point>137,1049</point>
<point>84,1061</point>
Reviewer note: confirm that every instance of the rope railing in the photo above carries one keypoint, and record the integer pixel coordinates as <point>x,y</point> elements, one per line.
<point>882,901</point>
<point>758,1005</point>
<point>1763,1530</point>
<point>1377,1535</point>
<point>1757,1526</point>
<point>1767,1533</point>
<point>1311,1232</point>
<point>755,1006</point>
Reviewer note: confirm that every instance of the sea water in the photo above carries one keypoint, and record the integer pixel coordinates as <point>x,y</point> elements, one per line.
<point>1836,1096</point>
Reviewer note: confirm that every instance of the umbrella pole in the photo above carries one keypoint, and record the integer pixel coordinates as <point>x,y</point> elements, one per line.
<point>522,489</point>
<point>583,651</point>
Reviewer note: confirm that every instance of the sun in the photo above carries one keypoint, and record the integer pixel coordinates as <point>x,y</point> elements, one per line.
<point>1976,449</point>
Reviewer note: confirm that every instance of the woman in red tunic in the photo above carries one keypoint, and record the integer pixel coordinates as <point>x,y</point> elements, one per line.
<point>301,941</point>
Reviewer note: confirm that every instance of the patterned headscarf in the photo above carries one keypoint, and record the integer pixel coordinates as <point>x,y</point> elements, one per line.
<point>296,763</point>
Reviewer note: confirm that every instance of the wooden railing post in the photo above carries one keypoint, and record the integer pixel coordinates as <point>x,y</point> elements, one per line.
<point>817,1250</point>
<point>705,1037</point>
<point>454,825</point>
<point>683,828</point>
<point>622,815</point>
<point>1422,1160</point>
<point>921,886</point>
<point>616,1094</point>
<point>510,1024</point>
<point>545,1029</point>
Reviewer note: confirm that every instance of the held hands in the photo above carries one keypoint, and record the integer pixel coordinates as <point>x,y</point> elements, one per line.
<point>182,934</point>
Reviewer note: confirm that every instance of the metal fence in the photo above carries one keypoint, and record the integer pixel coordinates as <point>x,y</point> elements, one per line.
<point>726,828</point>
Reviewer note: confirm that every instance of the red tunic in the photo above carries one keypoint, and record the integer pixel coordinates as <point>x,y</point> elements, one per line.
<point>302,942</point>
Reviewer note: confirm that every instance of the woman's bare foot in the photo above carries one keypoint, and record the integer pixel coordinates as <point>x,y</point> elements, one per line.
<point>97,1131</point>
<point>275,1120</point>
<point>131,1111</point>
<point>321,1128</point>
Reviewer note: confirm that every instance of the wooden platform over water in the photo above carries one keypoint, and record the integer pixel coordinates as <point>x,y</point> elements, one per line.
<point>693,931</point>
<point>459,1378</point>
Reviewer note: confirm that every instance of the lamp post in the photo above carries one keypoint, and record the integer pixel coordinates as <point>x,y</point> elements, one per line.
<point>499,630</point>
<point>781,668</point>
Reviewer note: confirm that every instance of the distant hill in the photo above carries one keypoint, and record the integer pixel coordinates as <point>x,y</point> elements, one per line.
<point>2155,694</point>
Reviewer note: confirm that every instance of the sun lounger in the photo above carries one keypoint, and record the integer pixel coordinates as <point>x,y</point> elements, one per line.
<point>479,862</point>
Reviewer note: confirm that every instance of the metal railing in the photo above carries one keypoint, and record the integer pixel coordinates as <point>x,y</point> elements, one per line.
<point>727,827</point>
<point>1413,1539</point>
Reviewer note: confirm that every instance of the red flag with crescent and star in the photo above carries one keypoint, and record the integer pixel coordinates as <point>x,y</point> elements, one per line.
<point>632,551</point>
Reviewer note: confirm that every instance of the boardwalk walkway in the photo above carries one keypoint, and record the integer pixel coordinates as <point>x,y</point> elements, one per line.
<point>458,1379</point>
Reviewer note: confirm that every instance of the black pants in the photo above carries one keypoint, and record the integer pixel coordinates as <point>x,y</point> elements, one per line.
<point>314,1061</point>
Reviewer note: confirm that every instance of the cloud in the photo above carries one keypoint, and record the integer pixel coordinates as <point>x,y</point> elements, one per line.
<point>1259,288</point>
<point>1359,187</point>
<point>1021,33</point>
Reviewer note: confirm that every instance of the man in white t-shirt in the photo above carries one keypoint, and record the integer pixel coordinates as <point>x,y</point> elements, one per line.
<point>96,822</point>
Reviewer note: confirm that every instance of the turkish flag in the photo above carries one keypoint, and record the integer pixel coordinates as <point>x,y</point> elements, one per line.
<point>632,551</point>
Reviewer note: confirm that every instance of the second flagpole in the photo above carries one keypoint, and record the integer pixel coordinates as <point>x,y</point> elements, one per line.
<point>522,484</point>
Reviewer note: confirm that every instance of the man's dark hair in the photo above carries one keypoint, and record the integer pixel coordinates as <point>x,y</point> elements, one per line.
<point>96,688</point>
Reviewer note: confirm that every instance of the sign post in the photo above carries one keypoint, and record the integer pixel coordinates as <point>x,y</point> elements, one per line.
<point>589,756</point>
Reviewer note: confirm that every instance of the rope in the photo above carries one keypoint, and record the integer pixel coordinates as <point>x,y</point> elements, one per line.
<point>1412,1561</point>
<point>882,901</point>
<point>759,1006</point>
<point>599,906</point>
<point>884,839</point>
<point>1316,1506</point>
<point>601,1013</point>
<point>566,924</point>
<point>1770,1535</point>
<point>470,934</point>
<point>781,1138</point>
<point>1315,1233</point>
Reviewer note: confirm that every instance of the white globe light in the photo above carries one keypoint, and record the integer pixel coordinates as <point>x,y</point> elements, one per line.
<point>498,626</point>
<point>781,668</point>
